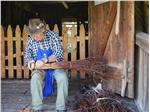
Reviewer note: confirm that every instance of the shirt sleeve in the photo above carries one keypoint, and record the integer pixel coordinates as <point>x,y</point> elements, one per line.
<point>28,52</point>
<point>58,49</point>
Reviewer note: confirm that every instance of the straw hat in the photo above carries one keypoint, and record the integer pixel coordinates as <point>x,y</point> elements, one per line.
<point>36,25</point>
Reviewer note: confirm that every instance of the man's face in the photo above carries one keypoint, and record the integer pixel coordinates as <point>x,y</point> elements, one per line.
<point>38,36</point>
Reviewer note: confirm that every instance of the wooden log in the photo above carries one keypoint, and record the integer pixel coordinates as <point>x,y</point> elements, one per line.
<point>18,52</point>
<point>10,53</point>
<point>25,37</point>
<point>2,54</point>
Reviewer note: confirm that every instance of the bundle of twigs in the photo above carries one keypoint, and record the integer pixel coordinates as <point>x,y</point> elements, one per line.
<point>88,64</point>
<point>101,101</point>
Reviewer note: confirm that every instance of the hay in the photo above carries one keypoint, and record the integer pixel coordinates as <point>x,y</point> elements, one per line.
<point>103,101</point>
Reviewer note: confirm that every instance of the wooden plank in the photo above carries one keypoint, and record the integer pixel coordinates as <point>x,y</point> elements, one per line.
<point>14,56</point>
<point>10,52</point>
<point>142,40</point>
<point>65,43</point>
<point>74,50</point>
<point>82,48</point>
<point>25,37</point>
<point>69,39</point>
<point>2,54</point>
<point>18,52</point>
<point>129,12</point>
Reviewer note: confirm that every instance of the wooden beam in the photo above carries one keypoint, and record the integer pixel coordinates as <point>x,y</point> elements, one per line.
<point>142,40</point>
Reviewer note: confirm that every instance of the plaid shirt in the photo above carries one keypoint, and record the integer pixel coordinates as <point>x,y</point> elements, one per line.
<point>51,40</point>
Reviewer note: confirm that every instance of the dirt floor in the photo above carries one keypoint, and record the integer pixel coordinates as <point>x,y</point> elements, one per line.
<point>16,95</point>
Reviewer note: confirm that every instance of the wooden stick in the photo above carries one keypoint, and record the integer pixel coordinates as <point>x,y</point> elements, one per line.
<point>117,18</point>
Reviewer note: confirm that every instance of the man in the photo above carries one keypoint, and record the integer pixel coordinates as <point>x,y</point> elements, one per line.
<point>40,38</point>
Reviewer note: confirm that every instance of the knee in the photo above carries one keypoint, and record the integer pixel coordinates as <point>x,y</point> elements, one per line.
<point>35,76</point>
<point>61,77</point>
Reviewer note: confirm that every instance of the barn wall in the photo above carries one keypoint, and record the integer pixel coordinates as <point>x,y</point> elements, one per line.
<point>142,72</point>
<point>106,45</point>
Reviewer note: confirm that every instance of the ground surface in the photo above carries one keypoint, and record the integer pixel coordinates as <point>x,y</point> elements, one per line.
<point>16,95</point>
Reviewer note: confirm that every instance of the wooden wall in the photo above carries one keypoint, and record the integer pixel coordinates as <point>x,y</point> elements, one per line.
<point>114,48</point>
<point>142,71</point>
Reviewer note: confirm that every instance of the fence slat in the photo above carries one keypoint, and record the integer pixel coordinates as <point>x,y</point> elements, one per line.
<point>47,27</point>
<point>82,47</point>
<point>74,50</point>
<point>18,52</point>
<point>65,43</point>
<point>10,52</point>
<point>2,54</point>
<point>56,28</point>
<point>25,37</point>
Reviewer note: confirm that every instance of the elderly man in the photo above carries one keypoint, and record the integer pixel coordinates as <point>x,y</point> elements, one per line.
<point>45,41</point>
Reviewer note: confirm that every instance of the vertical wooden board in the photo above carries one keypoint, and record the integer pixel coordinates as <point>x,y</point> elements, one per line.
<point>2,54</point>
<point>65,43</point>
<point>145,80</point>
<point>140,78</point>
<point>74,50</point>
<point>56,28</point>
<point>126,42</point>
<point>10,52</point>
<point>25,37</point>
<point>82,48</point>
<point>18,52</point>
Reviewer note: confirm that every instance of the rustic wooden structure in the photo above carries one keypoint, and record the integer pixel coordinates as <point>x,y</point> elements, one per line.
<point>112,43</point>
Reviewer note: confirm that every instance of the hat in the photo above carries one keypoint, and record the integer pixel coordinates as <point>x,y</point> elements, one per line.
<point>36,25</point>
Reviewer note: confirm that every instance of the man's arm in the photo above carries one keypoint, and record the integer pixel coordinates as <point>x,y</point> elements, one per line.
<point>28,58</point>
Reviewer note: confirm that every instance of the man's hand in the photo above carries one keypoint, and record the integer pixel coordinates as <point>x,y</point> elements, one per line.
<point>64,64</point>
<point>39,63</point>
<point>52,58</point>
<point>31,64</point>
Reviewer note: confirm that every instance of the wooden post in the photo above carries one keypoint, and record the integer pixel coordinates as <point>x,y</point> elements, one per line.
<point>74,50</point>
<point>25,37</point>
<point>10,52</point>
<point>82,47</point>
<point>2,54</point>
<point>18,52</point>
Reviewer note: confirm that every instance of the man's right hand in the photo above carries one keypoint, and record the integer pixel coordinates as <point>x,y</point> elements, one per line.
<point>31,64</point>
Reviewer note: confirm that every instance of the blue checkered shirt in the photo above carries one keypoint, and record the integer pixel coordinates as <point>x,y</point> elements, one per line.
<point>51,40</point>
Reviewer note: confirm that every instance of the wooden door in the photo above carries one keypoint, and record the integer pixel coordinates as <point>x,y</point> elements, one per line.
<point>116,49</point>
